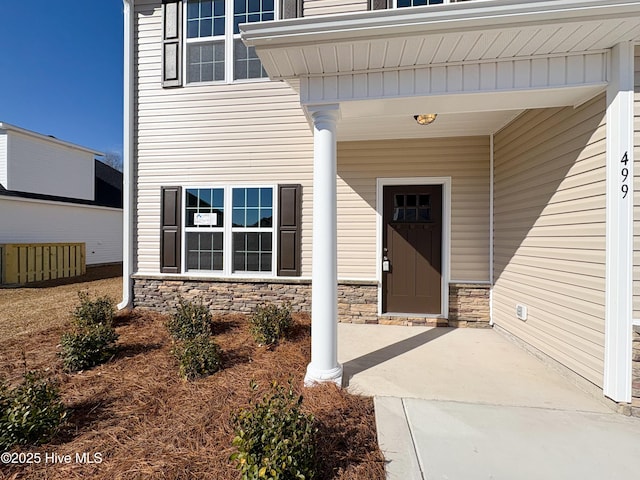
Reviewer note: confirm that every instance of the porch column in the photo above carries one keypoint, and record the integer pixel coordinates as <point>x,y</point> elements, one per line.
<point>619,229</point>
<point>324,366</point>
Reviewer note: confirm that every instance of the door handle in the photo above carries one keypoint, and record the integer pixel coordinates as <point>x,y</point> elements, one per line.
<point>386,264</point>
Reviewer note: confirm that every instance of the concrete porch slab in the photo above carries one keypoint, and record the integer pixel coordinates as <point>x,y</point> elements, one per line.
<point>463,365</point>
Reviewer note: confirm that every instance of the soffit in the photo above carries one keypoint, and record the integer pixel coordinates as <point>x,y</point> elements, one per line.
<point>459,32</point>
<point>404,126</point>
<point>458,115</point>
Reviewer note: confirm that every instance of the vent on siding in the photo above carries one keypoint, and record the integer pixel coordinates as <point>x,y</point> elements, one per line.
<point>521,312</point>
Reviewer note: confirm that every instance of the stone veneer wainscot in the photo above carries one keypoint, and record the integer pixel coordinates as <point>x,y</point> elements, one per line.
<point>357,301</point>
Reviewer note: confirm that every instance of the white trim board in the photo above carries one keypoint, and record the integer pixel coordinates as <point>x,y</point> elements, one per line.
<point>446,231</point>
<point>619,228</point>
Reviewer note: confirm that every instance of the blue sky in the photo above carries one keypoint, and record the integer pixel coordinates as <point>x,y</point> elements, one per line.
<point>61,69</point>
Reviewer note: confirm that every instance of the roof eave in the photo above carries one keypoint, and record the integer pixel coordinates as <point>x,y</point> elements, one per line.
<point>40,136</point>
<point>437,19</point>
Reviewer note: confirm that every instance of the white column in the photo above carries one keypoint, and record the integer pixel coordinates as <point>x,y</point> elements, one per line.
<point>324,366</point>
<point>619,255</point>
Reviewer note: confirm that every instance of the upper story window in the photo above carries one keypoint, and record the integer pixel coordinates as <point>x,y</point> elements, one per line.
<point>214,50</point>
<point>417,3</point>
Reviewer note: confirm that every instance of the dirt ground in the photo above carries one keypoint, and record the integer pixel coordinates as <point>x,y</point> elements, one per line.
<point>144,421</point>
<point>44,305</point>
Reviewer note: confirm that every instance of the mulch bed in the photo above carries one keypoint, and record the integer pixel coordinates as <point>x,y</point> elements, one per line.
<point>147,423</point>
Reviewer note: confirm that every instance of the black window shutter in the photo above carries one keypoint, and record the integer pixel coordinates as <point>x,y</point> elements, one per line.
<point>289,230</point>
<point>291,9</point>
<point>171,43</point>
<point>379,4</point>
<point>170,234</point>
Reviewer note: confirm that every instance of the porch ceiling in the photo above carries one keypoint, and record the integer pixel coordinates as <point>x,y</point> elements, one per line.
<point>404,126</point>
<point>440,34</point>
<point>458,115</point>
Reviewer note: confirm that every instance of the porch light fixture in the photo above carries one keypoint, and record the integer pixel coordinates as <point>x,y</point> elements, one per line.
<point>425,118</point>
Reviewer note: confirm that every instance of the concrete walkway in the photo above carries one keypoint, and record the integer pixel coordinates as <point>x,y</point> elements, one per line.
<point>469,404</point>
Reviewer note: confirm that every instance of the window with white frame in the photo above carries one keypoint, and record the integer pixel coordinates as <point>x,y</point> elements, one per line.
<point>252,229</point>
<point>214,50</point>
<point>204,229</point>
<point>231,240</point>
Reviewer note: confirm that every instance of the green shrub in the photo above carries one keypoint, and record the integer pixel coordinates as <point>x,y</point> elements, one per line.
<point>198,357</point>
<point>31,413</point>
<point>275,439</point>
<point>190,320</point>
<point>270,323</point>
<point>87,347</point>
<point>93,339</point>
<point>93,312</point>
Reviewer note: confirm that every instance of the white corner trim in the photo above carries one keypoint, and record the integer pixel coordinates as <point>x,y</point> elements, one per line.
<point>491,239</point>
<point>128,159</point>
<point>619,228</point>
<point>491,209</point>
<point>446,231</point>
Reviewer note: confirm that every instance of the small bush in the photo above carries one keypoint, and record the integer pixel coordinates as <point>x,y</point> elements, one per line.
<point>93,339</point>
<point>275,439</point>
<point>198,357</point>
<point>88,347</point>
<point>93,312</point>
<point>189,321</point>
<point>31,413</point>
<point>270,323</point>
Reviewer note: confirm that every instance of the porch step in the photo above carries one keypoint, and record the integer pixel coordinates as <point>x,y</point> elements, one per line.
<point>413,321</point>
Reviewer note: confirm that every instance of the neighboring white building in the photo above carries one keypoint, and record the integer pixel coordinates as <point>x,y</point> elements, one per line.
<point>53,191</point>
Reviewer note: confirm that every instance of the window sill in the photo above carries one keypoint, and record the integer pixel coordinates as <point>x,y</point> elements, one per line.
<point>223,82</point>
<point>227,279</point>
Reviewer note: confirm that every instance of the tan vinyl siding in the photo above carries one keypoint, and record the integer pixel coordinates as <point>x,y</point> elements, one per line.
<point>549,204</point>
<point>249,132</point>
<point>322,7</point>
<point>464,159</point>
<point>636,188</point>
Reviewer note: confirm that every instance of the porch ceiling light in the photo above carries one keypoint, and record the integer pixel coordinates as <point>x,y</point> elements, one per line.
<point>425,118</point>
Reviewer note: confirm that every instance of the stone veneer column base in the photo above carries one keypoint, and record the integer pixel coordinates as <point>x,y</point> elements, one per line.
<point>635,372</point>
<point>469,305</point>
<point>357,301</point>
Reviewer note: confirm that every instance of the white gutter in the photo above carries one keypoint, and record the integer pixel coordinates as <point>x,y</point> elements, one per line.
<point>440,19</point>
<point>127,160</point>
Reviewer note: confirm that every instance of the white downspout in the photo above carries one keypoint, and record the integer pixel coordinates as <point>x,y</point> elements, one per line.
<point>127,160</point>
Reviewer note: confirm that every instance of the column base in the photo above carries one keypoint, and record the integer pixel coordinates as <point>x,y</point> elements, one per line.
<point>315,376</point>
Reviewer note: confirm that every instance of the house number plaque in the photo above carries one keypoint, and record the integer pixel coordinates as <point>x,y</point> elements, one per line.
<point>625,175</point>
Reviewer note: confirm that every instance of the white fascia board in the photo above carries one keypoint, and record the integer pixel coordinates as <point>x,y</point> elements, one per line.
<point>450,17</point>
<point>12,128</point>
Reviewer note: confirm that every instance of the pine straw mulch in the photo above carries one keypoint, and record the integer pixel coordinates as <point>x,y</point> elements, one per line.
<point>147,423</point>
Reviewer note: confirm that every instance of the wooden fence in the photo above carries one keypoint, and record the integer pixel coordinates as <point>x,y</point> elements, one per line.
<point>32,262</point>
